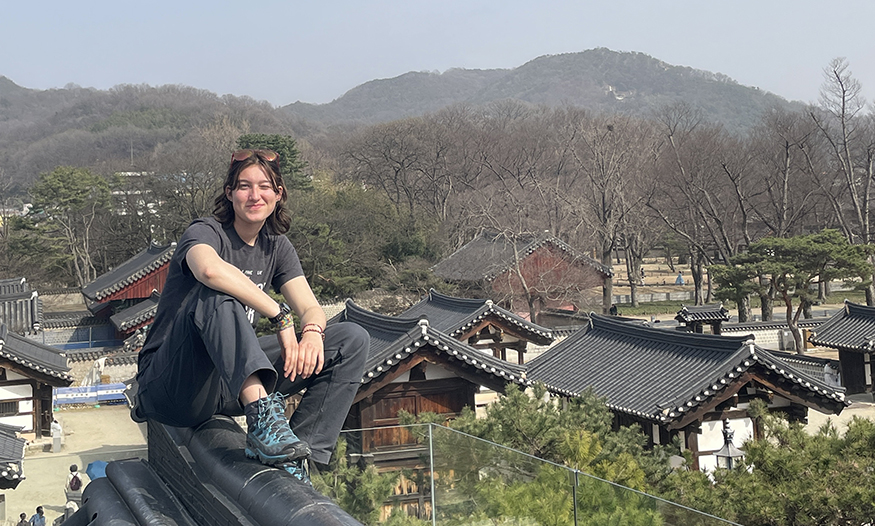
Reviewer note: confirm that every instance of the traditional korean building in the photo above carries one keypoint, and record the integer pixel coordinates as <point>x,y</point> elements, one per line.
<point>415,367</point>
<point>695,317</point>
<point>28,372</point>
<point>851,331</point>
<point>134,280</point>
<point>556,275</point>
<point>679,384</point>
<point>481,323</point>
<point>130,320</point>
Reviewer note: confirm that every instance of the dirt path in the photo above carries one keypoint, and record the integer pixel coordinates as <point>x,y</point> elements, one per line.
<point>92,433</point>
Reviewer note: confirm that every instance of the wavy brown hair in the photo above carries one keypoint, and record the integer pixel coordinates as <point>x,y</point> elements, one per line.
<point>280,220</point>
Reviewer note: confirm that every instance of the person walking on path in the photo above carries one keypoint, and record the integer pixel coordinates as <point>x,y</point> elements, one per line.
<point>38,518</point>
<point>22,520</point>
<point>202,357</point>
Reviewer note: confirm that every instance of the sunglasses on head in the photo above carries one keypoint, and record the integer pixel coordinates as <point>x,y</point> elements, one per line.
<point>264,155</point>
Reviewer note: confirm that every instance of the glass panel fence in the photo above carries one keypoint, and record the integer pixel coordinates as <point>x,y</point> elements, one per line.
<point>465,480</point>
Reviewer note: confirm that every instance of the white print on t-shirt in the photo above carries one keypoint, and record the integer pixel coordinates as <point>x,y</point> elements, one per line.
<point>250,312</point>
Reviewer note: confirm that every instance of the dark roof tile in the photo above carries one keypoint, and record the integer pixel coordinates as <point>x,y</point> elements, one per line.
<point>35,356</point>
<point>140,313</point>
<point>656,374</point>
<point>455,316</point>
<point>395,339</point>
<point>852,328</point>
<point>143,263</point>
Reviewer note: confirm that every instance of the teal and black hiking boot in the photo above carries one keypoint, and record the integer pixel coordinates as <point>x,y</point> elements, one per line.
<point>270,439</point>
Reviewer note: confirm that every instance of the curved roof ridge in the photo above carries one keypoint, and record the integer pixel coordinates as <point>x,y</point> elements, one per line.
<point>365,317</point>
<point>445,299</point>
<point>686,339</point>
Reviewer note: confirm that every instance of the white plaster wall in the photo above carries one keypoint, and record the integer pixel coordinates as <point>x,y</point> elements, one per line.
<point>25,406</point>
<point>8,392</point>
<point>25,421</point>
<point>12,375</point>
<point>707,463</point>
<point>712,434</point>
<point>432,372</point>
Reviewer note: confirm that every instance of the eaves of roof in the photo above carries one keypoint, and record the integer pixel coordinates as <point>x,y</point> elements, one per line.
<point>34,356</point>
<point>142,264</point>
<point>456,316</point>
<point>658,375</point>
<point>136,314</point>
<point>702,313</point>
<point>852,328</point>
<point>393,340</point>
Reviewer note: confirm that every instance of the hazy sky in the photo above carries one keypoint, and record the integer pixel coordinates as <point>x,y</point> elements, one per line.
<point>285,50</point>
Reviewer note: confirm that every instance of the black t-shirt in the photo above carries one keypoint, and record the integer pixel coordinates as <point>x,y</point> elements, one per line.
<point>271,261</point>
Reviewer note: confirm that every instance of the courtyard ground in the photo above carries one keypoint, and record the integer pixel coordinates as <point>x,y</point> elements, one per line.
<point>90,433</point>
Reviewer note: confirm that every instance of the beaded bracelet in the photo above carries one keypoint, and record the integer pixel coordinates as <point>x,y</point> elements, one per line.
<point>313,327</point>
<point>287,321</point>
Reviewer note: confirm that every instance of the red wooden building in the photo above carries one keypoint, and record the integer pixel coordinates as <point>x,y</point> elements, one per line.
<point>526,273</point>
<point>128,285</point>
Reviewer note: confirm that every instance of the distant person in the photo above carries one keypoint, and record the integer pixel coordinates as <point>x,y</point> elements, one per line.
<point>22,520</point>
<point>38,518</point>
<point>613,310</point>
<point>73,487</point>
<point>680,279</point>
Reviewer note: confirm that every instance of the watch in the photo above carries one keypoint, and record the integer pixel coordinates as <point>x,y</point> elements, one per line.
<point>284,310</point>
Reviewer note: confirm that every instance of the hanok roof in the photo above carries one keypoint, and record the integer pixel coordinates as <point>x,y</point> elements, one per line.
<point>66,320</point>
<point>36,357</point>
<point>457,316</point>
<point>394,340</point>
<point>22,311</point>
<point>13,286</point>
<point>666,376</point>
<point>142,264</point>
<point>11,456</point>
<point>702,313</point>
<point>852,328</point>
<point>490,254</point>
<point>750,326</point>
<point>136,315</point>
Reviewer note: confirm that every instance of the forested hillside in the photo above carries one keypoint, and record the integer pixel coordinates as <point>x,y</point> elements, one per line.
<point>599,79</point>
<point>130,127</point>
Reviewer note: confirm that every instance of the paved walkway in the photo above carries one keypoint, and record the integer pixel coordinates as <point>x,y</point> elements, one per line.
<point>90,433</point>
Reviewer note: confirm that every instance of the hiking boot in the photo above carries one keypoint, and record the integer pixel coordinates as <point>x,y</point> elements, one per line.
<point>269,438</point>
<point>300,469</point>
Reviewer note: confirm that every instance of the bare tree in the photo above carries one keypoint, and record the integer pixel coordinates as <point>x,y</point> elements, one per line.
<point>851,142</point>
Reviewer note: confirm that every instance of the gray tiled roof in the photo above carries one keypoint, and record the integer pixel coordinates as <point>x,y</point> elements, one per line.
<point>702,313</point>
<point>779,323</point>
<point>660,375</point>
<point>35,356</point>
<point>490,254</point>
<point>455,316</point>
<point>395,339</point>
<point>11,456</point>
<point>22,312</point>
<point>145,262</point>
<point>852,328</point>
<point>136,314</point>
<point>13,286</point>
<point>65,320</point>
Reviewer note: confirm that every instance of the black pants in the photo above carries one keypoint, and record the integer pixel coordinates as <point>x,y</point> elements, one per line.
<point>199,371</point>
